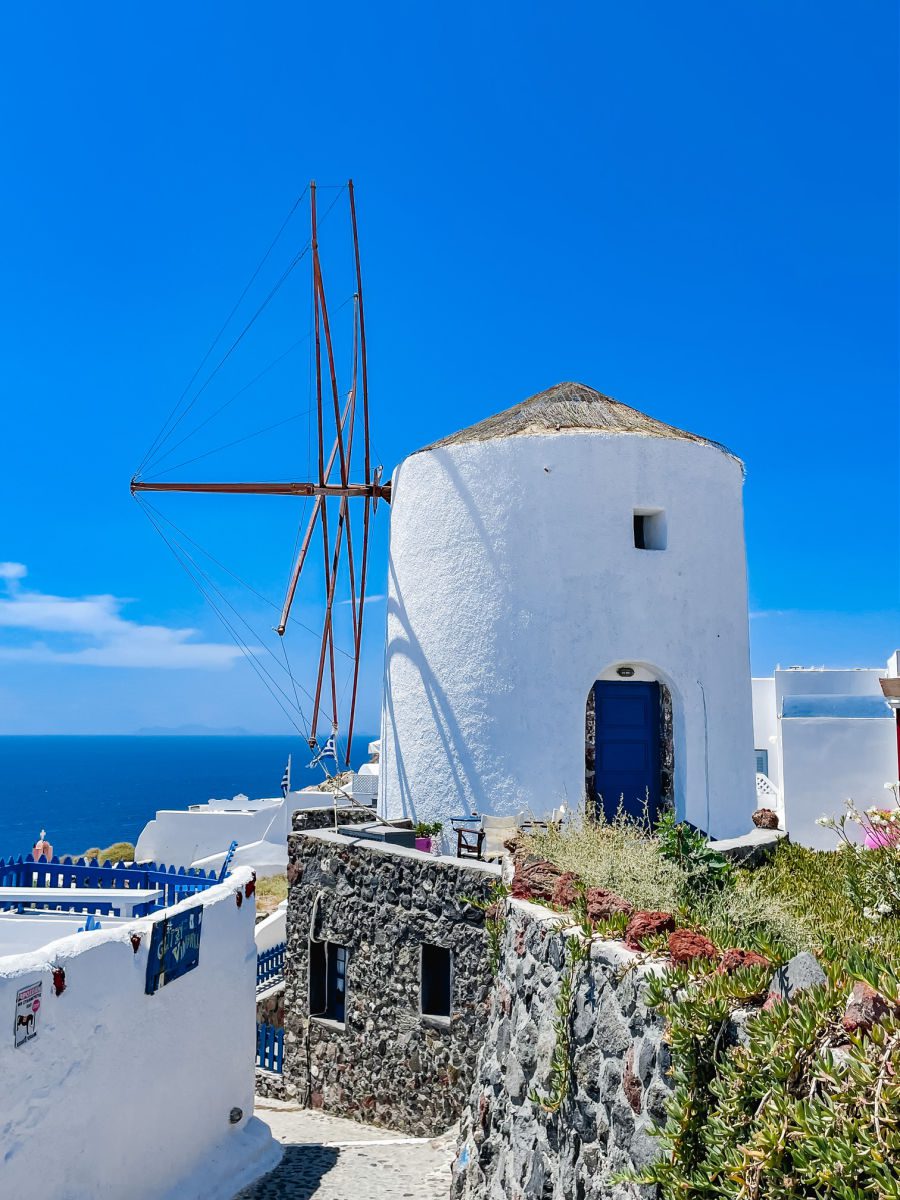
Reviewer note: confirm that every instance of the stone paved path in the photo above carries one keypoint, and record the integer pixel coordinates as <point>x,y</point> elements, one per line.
<point>328,1158</point>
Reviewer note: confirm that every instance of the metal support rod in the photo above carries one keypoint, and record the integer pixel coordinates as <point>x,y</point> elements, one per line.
<point>382,491</point>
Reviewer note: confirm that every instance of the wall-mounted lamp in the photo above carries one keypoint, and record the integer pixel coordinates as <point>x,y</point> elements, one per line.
<point>625,672</point>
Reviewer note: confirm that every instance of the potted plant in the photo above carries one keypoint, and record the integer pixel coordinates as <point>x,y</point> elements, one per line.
<point>425,834</point>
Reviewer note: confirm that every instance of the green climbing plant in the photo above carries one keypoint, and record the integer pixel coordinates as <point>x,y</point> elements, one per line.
<point>494,908</point>
<point>577,951</point>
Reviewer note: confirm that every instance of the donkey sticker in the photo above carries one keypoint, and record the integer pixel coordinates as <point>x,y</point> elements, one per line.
<point>28,1005</point>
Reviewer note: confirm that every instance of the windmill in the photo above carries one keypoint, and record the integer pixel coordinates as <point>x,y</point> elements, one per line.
<point>343,452</point>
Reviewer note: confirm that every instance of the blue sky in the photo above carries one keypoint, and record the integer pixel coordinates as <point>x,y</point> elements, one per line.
<point>692,208</point>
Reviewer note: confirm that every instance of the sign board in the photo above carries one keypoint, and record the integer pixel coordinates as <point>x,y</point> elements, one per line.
<point>28,1005</point>
<point>174,948</point>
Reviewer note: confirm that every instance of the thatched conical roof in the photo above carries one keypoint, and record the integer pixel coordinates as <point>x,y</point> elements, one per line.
<point>564,407</point>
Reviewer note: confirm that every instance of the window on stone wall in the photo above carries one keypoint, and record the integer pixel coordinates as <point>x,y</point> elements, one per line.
<point>437,976</point>
<point>328,981</point>
<point>649,529</point>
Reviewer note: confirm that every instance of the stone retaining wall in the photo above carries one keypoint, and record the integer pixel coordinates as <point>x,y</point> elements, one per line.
<point>510,1148</point>
<point>386,1064</point>
<point>305,819</point>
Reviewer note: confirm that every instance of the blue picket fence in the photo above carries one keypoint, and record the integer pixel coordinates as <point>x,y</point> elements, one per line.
<point>176,883</point>
<point>270,966</point>
<point>270,1048</point>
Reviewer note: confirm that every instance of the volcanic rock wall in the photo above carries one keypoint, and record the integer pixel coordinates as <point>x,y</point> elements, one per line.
<point>510,1147</point>
<point>386,1063</point>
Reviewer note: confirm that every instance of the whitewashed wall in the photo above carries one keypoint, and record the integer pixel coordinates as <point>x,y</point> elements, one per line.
<point>127,1095</point>
<point>202,835</point>
<point>514,584</point>
<point>820,760</point>
<point>765,726</point>
<point>828,760</point>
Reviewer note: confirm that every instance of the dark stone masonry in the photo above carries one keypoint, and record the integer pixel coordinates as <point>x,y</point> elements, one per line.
<point>384,945</point>
<point>510,1147</point>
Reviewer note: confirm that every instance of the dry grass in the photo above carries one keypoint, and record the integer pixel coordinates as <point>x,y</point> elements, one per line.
<point>758,909</point>
<point>618,855</point>
<point>117,852</point>
<point>269,894</point>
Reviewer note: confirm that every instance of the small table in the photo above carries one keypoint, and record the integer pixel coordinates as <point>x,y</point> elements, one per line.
<point>124,900</point>
<point>469,836</point>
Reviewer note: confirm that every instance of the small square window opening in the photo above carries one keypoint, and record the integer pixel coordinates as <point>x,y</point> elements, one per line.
<point>650,529</point>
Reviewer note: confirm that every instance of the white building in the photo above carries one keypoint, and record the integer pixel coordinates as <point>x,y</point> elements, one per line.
<point>821,737</point>
<point>570,556</point>
<point>112,1088</point>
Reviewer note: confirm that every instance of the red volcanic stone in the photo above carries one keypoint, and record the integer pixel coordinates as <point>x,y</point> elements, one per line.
<point>602,904</point>
<point>565,890</point>
<point>535,880</point>
<point>765,818</point>
<point>685,945</point>
<point>644,924</point>
<point>865,1008</point>
<point>734,959</point>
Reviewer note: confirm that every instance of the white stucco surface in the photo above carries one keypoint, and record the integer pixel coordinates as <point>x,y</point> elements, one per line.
<point>830,760</point>
<point>831,737</point>
<point>122,1094</point>
<point>514,584</point>
<point>765,726</point>
<point>273,930</point>
<point>201,835</point>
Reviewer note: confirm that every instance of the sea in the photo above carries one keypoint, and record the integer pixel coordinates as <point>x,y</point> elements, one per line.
<point>94,791</point>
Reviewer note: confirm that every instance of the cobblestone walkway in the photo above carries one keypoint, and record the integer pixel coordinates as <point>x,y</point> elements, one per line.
<point>328,1158</point>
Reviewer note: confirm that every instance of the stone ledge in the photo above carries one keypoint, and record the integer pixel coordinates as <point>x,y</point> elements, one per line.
<point>750,849</point>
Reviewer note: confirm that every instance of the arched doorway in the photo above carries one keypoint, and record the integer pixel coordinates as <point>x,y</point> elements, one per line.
<point>629,748</point>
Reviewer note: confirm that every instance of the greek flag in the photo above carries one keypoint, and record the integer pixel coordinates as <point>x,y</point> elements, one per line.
<point>329,750</point>
<point>286,778</point>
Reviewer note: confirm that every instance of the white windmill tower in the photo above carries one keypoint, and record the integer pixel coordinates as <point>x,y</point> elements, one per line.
<point>567,617</point>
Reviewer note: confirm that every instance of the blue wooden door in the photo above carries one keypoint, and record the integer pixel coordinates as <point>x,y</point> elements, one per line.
<point>627,746</point>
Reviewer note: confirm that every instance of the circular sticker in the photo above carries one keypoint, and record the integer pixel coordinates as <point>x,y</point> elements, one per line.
<point>36,1004</point>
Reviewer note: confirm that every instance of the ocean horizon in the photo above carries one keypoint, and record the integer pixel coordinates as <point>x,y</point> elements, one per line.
<point>93,790</point>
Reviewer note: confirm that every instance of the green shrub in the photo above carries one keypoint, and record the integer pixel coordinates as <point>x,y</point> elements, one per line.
<point>117,852</point>
<point>798,1110</point>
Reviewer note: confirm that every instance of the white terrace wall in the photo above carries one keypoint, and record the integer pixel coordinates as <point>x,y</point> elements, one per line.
<point>122,1094</point>
<point>203,834</point>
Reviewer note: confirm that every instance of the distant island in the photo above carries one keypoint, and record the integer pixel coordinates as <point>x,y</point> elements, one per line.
<point>192,731</point>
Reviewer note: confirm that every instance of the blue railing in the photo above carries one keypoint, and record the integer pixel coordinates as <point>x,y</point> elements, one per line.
<point>270,1048</point>
<point>175,883</point>
<point>270,966</point>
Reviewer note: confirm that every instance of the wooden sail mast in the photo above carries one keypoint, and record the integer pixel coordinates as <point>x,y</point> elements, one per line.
<point>371,490</point>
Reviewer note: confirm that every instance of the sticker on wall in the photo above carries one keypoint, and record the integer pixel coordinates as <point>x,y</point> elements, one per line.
<point>28,1005</point>
<point>174,948</point>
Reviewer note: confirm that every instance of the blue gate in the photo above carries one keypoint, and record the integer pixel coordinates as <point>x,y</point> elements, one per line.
<point>270,1048</point>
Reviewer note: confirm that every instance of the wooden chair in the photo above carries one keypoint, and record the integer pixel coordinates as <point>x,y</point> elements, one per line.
<point>469,842</point>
